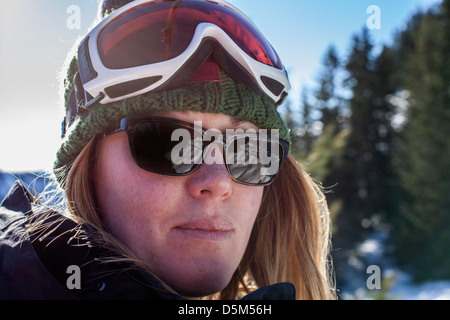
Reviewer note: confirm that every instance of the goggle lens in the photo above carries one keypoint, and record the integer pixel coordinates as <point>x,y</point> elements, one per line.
<point>156,32</point>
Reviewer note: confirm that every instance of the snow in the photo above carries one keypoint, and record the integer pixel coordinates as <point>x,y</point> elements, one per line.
<point>404,289</point>
<point>372,252</point>
<point>433,290</point>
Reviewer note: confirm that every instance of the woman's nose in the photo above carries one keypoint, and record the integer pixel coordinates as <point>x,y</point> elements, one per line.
<point>212,179</point>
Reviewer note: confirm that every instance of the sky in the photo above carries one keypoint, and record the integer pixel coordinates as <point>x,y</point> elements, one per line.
<point>36,36</point>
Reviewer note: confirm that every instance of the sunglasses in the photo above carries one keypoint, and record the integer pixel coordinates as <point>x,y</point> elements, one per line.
<point>174,147</point>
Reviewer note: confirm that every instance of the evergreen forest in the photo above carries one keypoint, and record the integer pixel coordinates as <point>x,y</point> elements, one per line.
<point>375,133</point>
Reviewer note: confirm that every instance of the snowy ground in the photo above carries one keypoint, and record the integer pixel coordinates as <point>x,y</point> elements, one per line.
<point>436,290</point>
<point>399,285</point>
<point>404,289</point>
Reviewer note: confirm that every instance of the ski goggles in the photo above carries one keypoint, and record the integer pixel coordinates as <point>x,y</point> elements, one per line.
<point>154,45</point>
<point>174,147</point>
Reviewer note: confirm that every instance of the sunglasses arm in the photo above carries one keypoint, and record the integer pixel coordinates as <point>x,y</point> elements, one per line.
<point>119,126</point>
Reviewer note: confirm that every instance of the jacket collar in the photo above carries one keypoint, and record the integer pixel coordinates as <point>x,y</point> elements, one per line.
<point>18,199</point>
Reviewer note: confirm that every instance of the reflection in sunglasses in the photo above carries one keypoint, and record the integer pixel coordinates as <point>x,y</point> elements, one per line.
<point>240,148</point>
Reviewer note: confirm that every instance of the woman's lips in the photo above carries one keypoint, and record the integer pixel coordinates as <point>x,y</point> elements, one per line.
<point>210,230</point>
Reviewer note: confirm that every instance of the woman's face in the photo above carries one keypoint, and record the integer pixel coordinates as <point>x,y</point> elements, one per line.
<point>192,231</point>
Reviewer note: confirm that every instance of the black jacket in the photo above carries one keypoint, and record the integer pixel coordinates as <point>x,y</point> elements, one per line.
<point>34,267</point>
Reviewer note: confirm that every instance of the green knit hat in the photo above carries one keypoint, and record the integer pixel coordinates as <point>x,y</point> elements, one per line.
<point>226,97</point>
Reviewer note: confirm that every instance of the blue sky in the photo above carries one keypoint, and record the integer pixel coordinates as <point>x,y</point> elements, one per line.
<point>35,39</point>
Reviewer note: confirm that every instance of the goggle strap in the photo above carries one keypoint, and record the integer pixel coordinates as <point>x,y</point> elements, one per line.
<point>72,110</point>
<point>77,100</point>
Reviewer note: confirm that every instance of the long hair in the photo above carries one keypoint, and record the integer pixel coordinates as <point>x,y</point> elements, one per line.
<point>290,241</point>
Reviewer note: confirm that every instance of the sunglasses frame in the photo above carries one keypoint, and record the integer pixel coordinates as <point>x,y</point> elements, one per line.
<point>129,124</point>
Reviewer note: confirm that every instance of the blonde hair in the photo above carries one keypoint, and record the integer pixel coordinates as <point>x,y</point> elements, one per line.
<point>290,241</point>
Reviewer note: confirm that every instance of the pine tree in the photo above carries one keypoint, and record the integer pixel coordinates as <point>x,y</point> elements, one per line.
<point>328,101</point>
<point>292,122</point>
<point>423,228</point>
<point>307,122</point>
<point>363,177</point>
<point>326,157</point>
<point>299,121</point>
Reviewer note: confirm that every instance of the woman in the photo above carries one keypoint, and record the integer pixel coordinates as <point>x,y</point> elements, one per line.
<point>156,215</point>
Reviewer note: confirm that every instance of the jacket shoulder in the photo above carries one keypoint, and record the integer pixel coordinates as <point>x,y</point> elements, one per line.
<point>14,208</point>
<point>18,198</point>
<point>22,274</point>
<point>35,265</point>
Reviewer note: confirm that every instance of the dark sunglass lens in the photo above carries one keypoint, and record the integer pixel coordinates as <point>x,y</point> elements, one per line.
<point>152,146</point>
